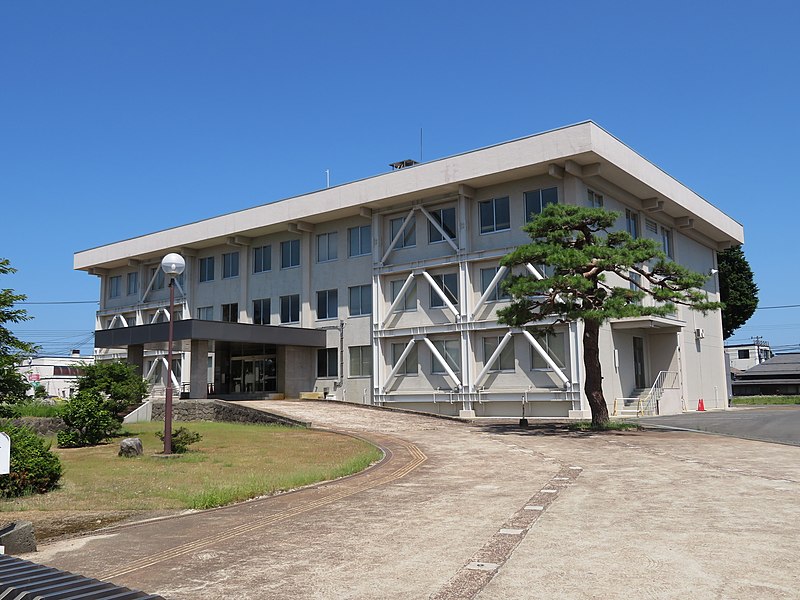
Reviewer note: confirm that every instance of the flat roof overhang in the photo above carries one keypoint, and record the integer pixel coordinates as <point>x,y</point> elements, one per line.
<point>664,324</point>
<point>218,331</point>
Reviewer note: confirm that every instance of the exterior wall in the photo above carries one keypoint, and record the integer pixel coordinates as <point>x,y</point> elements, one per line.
<point>44,367</point>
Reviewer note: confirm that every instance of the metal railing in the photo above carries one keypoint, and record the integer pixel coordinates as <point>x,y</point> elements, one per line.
<point>649,402</point>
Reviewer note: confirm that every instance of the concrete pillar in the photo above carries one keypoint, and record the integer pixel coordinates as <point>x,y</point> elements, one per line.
<point>198,371</point>
<point>136,358</point>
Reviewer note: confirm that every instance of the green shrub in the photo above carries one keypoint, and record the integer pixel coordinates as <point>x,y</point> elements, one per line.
<point>88,420</point>
<point>181,439</point>
<point>9,411</point>
<point>34,468</point>
<point>118,381</point>
<point>36,409</point>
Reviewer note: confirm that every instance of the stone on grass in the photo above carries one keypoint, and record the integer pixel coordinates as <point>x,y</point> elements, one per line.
<point>131,447</point>
<point>18,538</point>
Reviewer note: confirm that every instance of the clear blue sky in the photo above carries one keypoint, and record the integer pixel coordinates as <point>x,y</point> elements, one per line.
<point>120,118</point>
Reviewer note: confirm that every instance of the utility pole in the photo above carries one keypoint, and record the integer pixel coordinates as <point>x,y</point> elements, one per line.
<point>758,339</point>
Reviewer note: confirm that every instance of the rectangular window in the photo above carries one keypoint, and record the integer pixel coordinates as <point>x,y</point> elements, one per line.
<point>635,283</point>
<point>290,254</point>
<point>206,268</point>
<point>327,304</point>
<point>327,246</point>
<point>327,359</point>
<point>158,278</point>
<point>495,215</point>
<point>595,199</point>
<point>632,223</point>
<point>409,237</point>
<point>448,282</point>
<point>230,265</point>
<point>651,226</point>
<point>360,361</point>
<point>410,300</point>
<point>451,352</point>
<point>114,286</point>
<point>205,313</point>
<point>133,283</point>
<point>497,292</point>
<point>744,353</point>
<point>261,311</point>
<point>555,346</point>
<point>536,200</point>
<point>262,259</point>
<point>446,219</point>
<point>359,240</point>
<point>230,312</point>
<point>290,309</point>
<point>504,362</point>
<point>666,241</point>
<point>360,300</point>
<point>409,366</point>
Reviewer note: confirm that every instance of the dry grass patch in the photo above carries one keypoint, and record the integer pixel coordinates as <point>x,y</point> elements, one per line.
<point>232,462</point>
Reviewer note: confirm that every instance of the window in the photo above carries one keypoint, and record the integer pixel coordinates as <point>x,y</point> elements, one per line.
<point>555,345</point>
<point>409,237</point>
<point>207,268</point>
<point>497,292</point>
<point>448,282</point>
<point>651,226</point>
<point>157,277</point>
<point>290,254</point>
<point>495,215</point>
<point>409,366</point>
<point>133,283</point>
<point>114,286</point>
<point>360,300</point>
<point>536,200</point>
<point>327,304</point>
<point>290,309</point>
<point>262,259</point>
<point>230,265</point>
<point>595,199</point>
<point>410,300</point>
<point>666,241</point>
<point>744,353</point>
<point>261,311</point>
<point>635,284</point>
<point>504,362</point>
<point>359,240</point>
<point>230,312</point>
<point>326,362</point>
<point>326,246</point>
<point>360,361</point>
<point>451,352</point>
<point>446,218</point>
<point>632,223</point>
<point>205,313</point>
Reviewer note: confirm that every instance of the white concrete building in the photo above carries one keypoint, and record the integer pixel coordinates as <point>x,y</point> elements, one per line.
<point>746,356</point>
<point>385,290</point>
<point>58,375</point>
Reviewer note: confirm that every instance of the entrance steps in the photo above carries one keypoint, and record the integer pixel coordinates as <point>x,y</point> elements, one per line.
<point>630,406</point>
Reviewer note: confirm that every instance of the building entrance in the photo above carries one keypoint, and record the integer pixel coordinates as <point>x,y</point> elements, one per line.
<point>249,374</point>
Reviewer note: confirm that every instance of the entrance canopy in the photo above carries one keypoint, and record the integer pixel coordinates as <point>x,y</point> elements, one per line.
<point>195,329</point>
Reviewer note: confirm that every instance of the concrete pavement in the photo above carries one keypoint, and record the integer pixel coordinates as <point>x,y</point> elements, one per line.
<point>464,511</point>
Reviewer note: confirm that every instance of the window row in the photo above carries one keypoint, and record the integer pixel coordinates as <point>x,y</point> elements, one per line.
<point>448,284</point>
<point>156,278</point>
<point>359,363</point>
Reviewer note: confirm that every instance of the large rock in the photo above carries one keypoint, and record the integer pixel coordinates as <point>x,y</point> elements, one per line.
<point>131,447</point>
<point>18,538</point>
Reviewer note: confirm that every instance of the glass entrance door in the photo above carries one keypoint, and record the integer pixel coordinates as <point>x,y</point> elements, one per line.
<point>251,374</point>
<point>640,380</point>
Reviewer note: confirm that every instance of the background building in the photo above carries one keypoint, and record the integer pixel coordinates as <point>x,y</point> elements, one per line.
<point>58,375</point>
<point>745,356</point>
<point>385,290</point>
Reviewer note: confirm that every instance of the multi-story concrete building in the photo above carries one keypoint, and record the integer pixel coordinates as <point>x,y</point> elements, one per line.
<point>745,356</point>
<point>385,290</point>
<point>58,375</point>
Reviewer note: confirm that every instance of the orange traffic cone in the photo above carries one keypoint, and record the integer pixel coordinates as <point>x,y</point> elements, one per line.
<point>701,407</point>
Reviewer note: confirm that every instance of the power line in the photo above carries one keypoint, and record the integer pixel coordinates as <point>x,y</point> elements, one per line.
<point>62,302</point>
<point>784,306</point>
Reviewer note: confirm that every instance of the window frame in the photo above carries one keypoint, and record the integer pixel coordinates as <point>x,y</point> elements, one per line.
<point>362,352</point>
<point>205,269</point>
<point>331,300</point>
<point>438,215</point>
<point>547,341</point>
<point>411,294</point>
<point>289,298</point>
<point>261,253</point>
<point>201,310</point>
<point>360,291</point>
<point>230,264</point>
<point>115,286</point>
<point>259,313</point>
<point>360,231</point>
<point>498,295</point>
<point>290,248</point>
<point>528,198</point>
<point>409,232</point>
<point>435,300</point>
<point>132,289</point>
<point>486,356</point>
<point>404,370</point>
<point>486,229</point>
<point>327,358</point>
<point>441,346</point>
<point>331,245</point>
<point>232,308</point>
<point>595,200</point>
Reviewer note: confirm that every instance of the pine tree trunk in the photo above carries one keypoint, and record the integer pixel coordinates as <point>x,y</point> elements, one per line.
<point>594,375</point>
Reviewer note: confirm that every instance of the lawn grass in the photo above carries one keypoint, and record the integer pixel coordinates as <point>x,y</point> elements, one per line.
<point>36,410</point>
<point>764,400</point>
<point>610,426</point>
<point>233,462</point>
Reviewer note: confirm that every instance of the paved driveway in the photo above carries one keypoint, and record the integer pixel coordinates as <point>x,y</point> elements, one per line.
<point>485,512</point>
<point>770,424</point>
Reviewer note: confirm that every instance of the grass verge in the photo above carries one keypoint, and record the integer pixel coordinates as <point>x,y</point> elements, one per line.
<point>764,400</point>
<point>610,426</point>
<point>233,462</point>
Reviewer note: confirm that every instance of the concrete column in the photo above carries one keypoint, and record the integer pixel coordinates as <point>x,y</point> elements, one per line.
<point>136,358</point>
<point>198,370</point>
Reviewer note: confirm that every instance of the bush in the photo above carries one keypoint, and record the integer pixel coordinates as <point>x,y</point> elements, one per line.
<point>88,420</point>
<point>9,411</point>
<point>181,439</point>
<point>34,468</point>
<point>118,381</point>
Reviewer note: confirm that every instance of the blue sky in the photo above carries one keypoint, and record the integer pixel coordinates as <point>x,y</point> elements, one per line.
<point>120,118</point>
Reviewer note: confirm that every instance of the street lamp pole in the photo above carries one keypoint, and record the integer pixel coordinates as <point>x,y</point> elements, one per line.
<point>172,265</point>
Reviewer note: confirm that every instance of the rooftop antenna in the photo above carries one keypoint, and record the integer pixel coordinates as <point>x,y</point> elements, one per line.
<point>420,144</point>
<point>327,178</point>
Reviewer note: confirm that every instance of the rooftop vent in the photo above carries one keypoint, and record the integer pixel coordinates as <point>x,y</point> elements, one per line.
<point>403,164</point>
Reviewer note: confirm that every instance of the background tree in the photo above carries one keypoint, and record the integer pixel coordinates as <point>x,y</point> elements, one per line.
<point>737,289</point>
<point>12,384</point>
<point>117,381</point>
<point>578,245</point>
